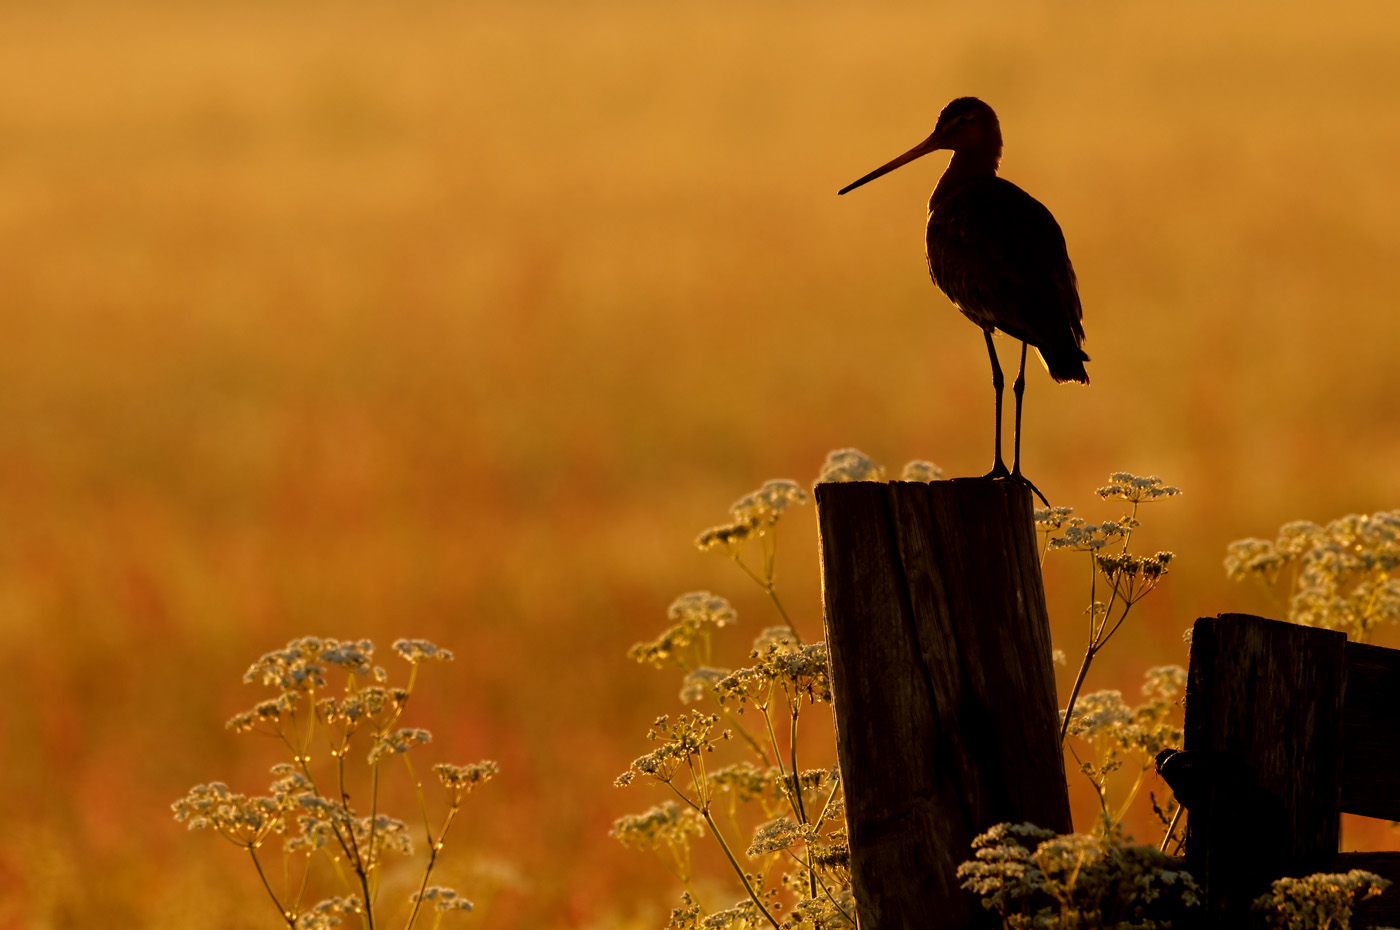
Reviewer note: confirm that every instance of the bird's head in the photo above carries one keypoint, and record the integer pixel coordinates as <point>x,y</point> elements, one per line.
<point>965,125</point>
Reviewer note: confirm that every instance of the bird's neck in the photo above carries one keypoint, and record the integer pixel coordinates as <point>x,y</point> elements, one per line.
<point>967,165</point>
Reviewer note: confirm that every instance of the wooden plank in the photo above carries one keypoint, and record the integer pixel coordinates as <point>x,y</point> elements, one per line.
<point>939,651</point>
<point>1264,710</point>
<point>1371,733</point>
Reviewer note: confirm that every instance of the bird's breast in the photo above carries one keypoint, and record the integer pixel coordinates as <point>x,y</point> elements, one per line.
<point>955,265</point>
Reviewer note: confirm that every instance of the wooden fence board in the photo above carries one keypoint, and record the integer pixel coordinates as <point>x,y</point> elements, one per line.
<point>1264,708</point>
<point>1371,733</point>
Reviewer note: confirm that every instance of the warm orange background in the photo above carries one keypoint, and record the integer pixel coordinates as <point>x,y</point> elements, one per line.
<point>460,320</point>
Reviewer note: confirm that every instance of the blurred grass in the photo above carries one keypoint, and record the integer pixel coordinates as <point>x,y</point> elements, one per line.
<point>459,321</point>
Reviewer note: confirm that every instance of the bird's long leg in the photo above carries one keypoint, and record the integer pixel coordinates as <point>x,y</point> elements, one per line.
<point>998,382</point>
<point>1019,388</point>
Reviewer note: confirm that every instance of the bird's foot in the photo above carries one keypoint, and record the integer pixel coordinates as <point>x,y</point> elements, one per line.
<point>999,471</point>
<point>1022,479</point>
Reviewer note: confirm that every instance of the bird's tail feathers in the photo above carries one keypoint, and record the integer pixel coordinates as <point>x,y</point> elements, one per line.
<point>1066,365</point>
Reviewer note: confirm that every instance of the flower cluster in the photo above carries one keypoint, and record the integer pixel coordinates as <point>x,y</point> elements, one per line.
<point>699,683</point>
<point>1129,578</point>
<point>461,780</point>
<point>1343,573</point>
<point>312,796</point>
<point>741,916</point>
<point>1135,489</point>
<point>835,856</point>
<point>1132,577</point>
<point>744,782</point>
<point>801,838</point>
<point>799,670</point>
<point>1032,877</point>
<point>850,465</point>
<point>686,737</point>
<point>1052,519</point>
<point>694,617</point>
<point>920,470</point>
<point>780,835</point>
<point>1147,728</point>
<point>396,744</point>
<point>296,667</point>
<point>666,824</point>
<point>763,507</point>
<point>365,705</point>
<point>269,714</point>
<point>1077,535</point>
<point>243,820</point>
<point>754,514</point>
<point>1318,902</point>
<point>326,914</point>
<point>824,912</point>
<point>443,899</point>
<point>420,650</point>
<point>1118,733</point>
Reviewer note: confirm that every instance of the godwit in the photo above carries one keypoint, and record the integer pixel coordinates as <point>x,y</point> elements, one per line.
<point>999,256</point>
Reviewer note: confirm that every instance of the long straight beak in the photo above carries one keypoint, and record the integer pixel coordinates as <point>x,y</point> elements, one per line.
<point>930,144</point>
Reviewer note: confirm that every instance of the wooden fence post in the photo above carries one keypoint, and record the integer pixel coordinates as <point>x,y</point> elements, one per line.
<point>1264,712</point>
<point>946,716</point>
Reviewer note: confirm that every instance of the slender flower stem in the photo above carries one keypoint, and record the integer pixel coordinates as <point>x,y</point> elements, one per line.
<point>778,752</point>
<point>796,773</point>
<point>753,895</point>
<point>365,861</point>
<point>1133,793</point>
<point>422,801</point>
<point>782,611</point>
<point>835,787</point>
<point>1098,785</point>
<point>794,705</point>
<point>434,847</point>
<point>305,880</point>
<point>834,903</point>
<point>739,727</point>
<point>772,592</point>
<point>1127,606</point>
<point>1074,692</point>
<point>704,811</point>
<point>770,553</point>
<point>1171,827</point>
<point>290,920</point>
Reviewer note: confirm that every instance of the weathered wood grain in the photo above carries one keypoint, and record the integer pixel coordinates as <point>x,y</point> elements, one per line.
<point>944,689</point>
<point>1264,708</point>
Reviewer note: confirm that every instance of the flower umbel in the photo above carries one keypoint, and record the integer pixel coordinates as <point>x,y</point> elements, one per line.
<point>1032,877</point>
<point>1318,902</point>
<point>850,465</point>
<point>802,812</point>
<point>309,799</point>
<point>1129,578</point>
<point>1342,575</point>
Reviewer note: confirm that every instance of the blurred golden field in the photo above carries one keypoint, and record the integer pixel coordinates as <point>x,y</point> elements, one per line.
<point>460,320</point>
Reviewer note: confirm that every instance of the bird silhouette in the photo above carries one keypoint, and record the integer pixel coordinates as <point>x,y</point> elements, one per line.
<point>999,255</point>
